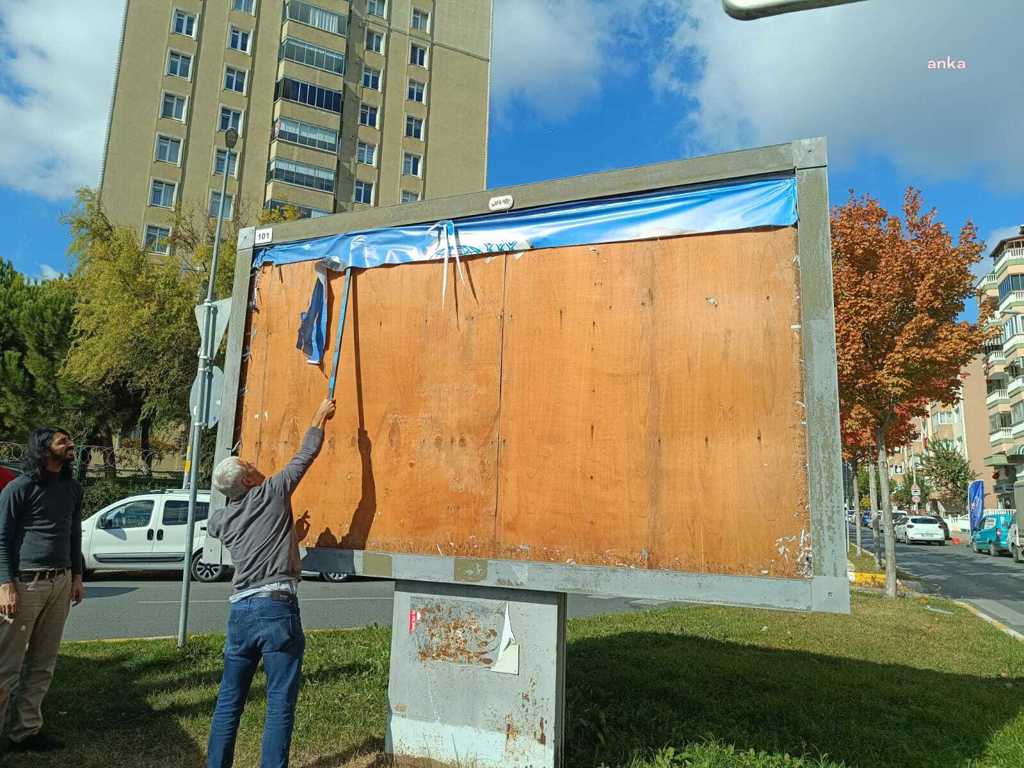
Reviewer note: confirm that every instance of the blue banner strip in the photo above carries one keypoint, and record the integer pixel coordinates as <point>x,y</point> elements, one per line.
<point>666,213</point>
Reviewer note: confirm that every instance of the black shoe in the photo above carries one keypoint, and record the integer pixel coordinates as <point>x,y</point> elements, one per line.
<point>37,742</point>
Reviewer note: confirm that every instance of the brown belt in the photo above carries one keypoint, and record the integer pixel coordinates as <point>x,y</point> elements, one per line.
<point>46,574</point>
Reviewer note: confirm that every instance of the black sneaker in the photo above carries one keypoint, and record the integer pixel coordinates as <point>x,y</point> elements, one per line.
<point>37,742</point>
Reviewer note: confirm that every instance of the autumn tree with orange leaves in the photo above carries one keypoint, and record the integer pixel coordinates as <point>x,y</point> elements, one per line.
<point>899,287</point>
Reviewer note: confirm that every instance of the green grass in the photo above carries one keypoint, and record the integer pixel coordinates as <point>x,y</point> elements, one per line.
<point>864,562</point>
<point>893,684</point>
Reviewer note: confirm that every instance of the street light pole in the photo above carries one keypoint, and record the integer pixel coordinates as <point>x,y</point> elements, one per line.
<point>206,354</point>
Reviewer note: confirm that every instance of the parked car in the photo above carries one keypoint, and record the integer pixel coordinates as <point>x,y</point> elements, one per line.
<point>146,532</point>
<point>921,528</point>
<point>993,533</point>
<point>865,519</point>
<point>1016,538</point>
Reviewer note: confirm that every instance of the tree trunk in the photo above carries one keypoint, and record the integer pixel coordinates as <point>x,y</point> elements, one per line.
<point>890,539</point>
<point>856,507</point>
<point>147,455</point>
<point>875,527</point>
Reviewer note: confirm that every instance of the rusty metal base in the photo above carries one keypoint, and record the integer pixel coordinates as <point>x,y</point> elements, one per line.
<point>477,676</point>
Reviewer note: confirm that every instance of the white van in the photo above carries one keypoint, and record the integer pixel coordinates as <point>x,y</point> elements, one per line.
<point>147,533</point>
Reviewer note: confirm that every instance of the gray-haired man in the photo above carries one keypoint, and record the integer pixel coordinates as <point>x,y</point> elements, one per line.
<point>257,527</point>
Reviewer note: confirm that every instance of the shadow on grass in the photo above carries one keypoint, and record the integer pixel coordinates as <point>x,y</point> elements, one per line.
<point>638,692</point>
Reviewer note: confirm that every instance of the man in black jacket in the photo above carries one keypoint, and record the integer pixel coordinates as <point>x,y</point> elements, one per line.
<point>40,576</point>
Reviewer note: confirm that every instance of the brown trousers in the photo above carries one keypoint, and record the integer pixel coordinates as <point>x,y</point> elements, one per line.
<point>28,652</point>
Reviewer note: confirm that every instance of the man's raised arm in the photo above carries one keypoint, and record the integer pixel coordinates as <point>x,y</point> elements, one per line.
<point>286,480</point>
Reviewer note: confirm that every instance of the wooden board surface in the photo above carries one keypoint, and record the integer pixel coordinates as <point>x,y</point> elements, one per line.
<point>629,404</point>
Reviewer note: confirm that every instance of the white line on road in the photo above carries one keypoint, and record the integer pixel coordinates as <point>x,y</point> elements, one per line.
<point>222,602</point>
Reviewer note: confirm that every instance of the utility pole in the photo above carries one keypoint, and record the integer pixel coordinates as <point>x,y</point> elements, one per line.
<point>199,420</point>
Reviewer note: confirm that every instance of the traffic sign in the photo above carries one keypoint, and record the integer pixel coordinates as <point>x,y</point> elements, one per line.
<point>212,415</point>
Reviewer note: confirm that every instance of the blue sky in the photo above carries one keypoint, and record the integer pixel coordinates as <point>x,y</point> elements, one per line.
<point>590,85</point>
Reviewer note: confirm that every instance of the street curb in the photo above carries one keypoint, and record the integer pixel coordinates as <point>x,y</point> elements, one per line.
<point>866,578</point>
<point>994,622</point>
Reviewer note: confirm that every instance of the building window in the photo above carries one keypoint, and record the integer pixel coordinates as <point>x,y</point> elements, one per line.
<point>368,115</point>
<point>239,40</point>
<point>413,127</point>
<point>366,153</point>
<point>222,157</point>
<point>173,107</point>
<point>229,204</point>
<point>420,20</point>
<point>315,16</point>
<point>157,239</point>
<point>897,469</point>
<point>1010,284</point>
<point>311,55</point>
<point>230,118</point>
<point>374,41</point>
<point>179,64</point>
<point>161,193</point>
<point>301,174</point>
<point>306,93</point>
<point>377,8</point>
<point>168,149</point>
<point>411,164</point>
<point>418,55</point>
<point>184,24</point>
<point>234,80</point>
<point>305,212</point>
<point>417,91</point>
<point>245,6</point>
<point>410,197</point>
<point>371,78</point>
<point>306,134</point>
<point>363,192</point>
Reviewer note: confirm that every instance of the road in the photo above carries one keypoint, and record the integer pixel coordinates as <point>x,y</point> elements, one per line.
<point>119,605</point>
<point>993,585</point>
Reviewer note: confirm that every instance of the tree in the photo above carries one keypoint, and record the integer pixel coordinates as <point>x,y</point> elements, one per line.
<point>950,473</point>
<point>903,495</point>
<point>899,288</point>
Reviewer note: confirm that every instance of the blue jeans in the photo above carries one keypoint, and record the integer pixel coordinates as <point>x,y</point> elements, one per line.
<point>268,628</point>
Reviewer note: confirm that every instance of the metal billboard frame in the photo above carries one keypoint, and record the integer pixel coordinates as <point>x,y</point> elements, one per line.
<point>826,590</point>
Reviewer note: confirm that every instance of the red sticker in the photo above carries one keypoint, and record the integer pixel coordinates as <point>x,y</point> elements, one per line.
<point>414,616</point>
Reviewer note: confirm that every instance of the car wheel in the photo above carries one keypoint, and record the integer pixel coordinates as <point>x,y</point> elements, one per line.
<point>992,549</point>
<point>333,577</point>
<point>942,543</point>
<point>206,572</point>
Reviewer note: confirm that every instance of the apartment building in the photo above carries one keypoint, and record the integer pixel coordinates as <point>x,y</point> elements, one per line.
<point>964,425</point>
<point>1004,363</point>
<point>337,104</point>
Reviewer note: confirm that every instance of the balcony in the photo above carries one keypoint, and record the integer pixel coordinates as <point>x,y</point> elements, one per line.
<point>997,397</point>
<point>1012,299</point>
<point>1017,430</point>
<point>1000,436</point>
<point>1009,257</point>
<point>1015,386</point>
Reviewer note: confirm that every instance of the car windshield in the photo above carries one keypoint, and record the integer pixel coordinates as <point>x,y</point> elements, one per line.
<point>925,520</point>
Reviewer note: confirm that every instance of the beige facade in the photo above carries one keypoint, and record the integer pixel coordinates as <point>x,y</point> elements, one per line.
<point>965,425</point>
<point>338,105</point>
<point>1004,364</point>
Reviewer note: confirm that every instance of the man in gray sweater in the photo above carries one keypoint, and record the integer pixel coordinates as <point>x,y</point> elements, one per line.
<point>256,526</point>
<point>40,577</point>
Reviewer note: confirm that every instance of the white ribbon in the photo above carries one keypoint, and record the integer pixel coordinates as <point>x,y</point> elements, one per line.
<point>446,227</point>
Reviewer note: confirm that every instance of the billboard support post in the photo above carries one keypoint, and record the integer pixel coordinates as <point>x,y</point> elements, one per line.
<point>503,650</point>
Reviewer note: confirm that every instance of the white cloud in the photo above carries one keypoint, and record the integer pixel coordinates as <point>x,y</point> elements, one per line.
<point>550,53</point>
<point>859,75</point>
<point>46,272</point>
<point>57,63</point>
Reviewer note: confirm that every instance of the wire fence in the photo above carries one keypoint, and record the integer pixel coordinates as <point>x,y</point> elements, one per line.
<point>108,474</point>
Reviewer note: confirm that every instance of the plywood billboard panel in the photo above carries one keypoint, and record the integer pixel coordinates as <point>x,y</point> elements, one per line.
<point>608,405</point>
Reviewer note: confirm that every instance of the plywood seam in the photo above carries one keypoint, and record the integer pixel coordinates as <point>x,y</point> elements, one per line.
<point>501,381</point>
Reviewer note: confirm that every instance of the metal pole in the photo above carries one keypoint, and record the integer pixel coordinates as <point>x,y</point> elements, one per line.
<point>206,354</point>
<point>339,333</point>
